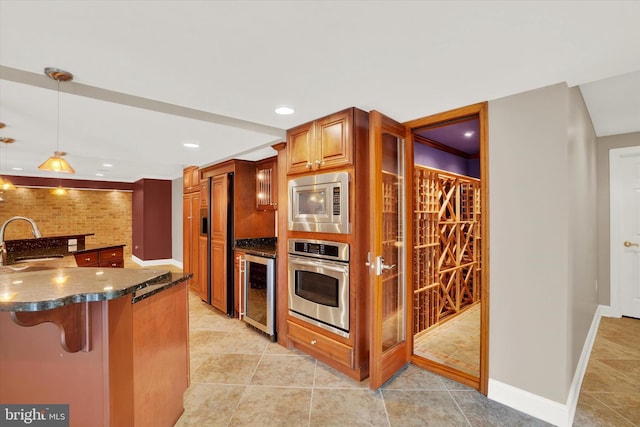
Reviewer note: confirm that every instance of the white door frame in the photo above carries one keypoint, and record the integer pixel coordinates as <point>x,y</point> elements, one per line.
<point>615,199</point>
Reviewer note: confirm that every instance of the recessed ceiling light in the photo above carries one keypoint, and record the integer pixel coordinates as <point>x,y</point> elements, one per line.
<point>17,169</point>
<point>469,133</point>
<point>99,174</point>
<point>191,145</point>
<point>107,165</point>
<point>284,110</point>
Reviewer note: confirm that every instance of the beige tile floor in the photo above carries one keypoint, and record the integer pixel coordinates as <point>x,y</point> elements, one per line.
<point>240,378</point>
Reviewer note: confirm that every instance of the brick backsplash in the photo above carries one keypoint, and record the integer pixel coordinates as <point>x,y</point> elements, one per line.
<point>106,214</point>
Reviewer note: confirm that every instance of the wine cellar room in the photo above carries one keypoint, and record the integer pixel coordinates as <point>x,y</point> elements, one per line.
<point>447,244</point>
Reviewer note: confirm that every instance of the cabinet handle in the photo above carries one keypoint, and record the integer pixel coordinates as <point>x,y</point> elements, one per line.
<point>87,259</point>
<point>314,342</point>
<point>308,165</point>
<point>319,162</point>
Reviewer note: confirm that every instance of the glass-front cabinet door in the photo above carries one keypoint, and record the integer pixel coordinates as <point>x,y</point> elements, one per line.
<point>389,349</point>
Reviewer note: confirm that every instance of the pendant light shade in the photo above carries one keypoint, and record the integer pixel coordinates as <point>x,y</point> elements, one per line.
<point>56,163</point>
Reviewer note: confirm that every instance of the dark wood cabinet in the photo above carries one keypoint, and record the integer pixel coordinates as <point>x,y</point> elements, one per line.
<point>233,216</point>
<point>191,244</point>
<point>108,256</point>
<point>190,179</point>
<point>325,143</point>
<point>337,142</point>
<point>219,240</point>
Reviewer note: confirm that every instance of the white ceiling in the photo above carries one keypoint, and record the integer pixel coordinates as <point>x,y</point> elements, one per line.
<point>149,75</point>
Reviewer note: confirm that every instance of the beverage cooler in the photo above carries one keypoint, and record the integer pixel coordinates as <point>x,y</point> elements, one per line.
<point>257,301</point>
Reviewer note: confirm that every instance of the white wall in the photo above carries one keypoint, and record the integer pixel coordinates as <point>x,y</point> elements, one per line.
<point>529,255</point>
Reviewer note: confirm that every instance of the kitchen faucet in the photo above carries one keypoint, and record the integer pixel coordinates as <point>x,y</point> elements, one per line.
<point>3,249</point>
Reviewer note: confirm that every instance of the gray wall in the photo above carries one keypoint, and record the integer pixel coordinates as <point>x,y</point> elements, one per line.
<point>539,144</point>
<point>605,144</point>
<point>176,219</point>
<point>583,220</point>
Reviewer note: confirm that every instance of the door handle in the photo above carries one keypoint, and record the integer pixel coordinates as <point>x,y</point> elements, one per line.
<point>628,244</point>
<point>381,266</point>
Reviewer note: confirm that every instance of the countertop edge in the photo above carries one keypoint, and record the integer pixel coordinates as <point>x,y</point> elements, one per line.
<point>174,279</point>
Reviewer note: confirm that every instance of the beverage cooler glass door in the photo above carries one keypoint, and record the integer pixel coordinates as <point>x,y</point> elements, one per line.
<point>259,298</point>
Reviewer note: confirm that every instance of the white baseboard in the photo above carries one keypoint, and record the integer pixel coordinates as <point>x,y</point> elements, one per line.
<point>529,403</point>
<point>155,262</point>
<point>553,412</point>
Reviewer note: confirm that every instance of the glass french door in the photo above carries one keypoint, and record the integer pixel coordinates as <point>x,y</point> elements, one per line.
<point>387,257</point>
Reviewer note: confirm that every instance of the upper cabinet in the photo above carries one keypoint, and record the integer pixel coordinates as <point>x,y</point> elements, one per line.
<point>266,184</point>
<point>190,179</point>
<point>322,144</point>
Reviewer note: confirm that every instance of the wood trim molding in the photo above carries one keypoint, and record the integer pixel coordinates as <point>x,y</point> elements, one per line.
<point>442,147</point>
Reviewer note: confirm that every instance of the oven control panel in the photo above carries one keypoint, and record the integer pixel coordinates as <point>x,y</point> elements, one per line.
<point>320,249</point>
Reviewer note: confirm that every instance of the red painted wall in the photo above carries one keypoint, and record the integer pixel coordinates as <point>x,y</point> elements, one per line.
<point>151,222</point>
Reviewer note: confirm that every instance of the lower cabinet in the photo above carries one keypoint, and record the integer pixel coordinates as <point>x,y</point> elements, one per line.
<point>317,344</point>
<point>111,257</point>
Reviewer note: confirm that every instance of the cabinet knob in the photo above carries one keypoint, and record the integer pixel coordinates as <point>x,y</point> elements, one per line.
<point>87,259</point>
<point>319,162</point>
<point>308,165</point>
<point>314,342</point>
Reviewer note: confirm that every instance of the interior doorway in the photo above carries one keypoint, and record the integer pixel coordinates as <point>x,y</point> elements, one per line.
<point>449,293</point>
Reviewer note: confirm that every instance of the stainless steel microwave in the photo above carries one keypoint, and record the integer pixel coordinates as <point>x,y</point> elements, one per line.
<point>320,203</point>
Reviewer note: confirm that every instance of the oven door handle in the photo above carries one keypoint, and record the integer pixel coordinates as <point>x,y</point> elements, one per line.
<point>324,264</point>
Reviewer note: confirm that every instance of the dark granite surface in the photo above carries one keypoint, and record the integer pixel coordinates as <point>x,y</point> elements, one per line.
<point>42,246</point>
<point>45,287</point>
<point>261,246</point>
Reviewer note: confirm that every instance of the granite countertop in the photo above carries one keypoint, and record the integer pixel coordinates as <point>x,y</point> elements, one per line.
<point>96,247</point>
<point>44,238</point>
<point>261,246</point>
<point>38,288</point>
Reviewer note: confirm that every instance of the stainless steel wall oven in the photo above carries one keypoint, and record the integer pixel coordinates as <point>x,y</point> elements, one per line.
<point>319,283</point>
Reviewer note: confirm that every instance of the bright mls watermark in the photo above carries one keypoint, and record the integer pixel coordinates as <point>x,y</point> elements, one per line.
<point>34,415</point>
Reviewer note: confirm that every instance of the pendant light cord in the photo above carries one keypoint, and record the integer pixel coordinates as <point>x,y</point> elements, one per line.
<point>58,123</point>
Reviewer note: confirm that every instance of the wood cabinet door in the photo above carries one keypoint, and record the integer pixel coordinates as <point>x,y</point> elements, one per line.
<point>219,203</point>
<point>334,141</point>
<point>186,179</point>
<point>202,269</point>
<point>301,148</point>
<point>193,245</point>
<point>186,234</point>
<point>204,194</point>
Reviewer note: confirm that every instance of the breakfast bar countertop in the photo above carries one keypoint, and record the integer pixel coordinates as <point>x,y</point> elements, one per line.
<point>42,288</point>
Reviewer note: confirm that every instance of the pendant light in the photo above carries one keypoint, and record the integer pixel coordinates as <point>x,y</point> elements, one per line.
<point>56,163</point>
